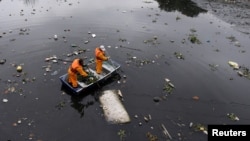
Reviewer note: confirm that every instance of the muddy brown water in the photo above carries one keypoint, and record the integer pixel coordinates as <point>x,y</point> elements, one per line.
<point>143,36</point>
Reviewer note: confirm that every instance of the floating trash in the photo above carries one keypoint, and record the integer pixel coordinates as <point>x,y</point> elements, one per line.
<point>5,100</point>
<point>140,124</point>
<point>233,64</point>
<point>19,68</point>
<point>51,58</point>
<point>151,137</point>
<point>213,67</point>
<point>191,124</point>
<point>54,61</point>
<point>2,61</point>
<point>47,69</point>
<point>195,98</point>
<point>55,37</point>
<point>19,121</point>
<point>168,86</point>
<point>54,73</point>
<point>199,127</point>
<point>147,118</point>
<point>165,132</point>
<point>232,116</point>
<point>74,45</point>
<point>93,35</point>
<point>75,52</point>
<point>157,99</point>
<point>179,55</point>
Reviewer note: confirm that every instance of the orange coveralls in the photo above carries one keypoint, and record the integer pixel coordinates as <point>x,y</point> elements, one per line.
<point>73,70</point>
<point>100,57</point>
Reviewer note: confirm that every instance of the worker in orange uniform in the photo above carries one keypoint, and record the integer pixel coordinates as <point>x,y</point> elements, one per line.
<point>99,58</point>
<point>75,68</point>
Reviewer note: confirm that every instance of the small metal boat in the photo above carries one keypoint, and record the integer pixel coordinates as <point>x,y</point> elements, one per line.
<point>109,68</point>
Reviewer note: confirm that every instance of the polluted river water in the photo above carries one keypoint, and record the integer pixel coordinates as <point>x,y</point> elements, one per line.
<point>175,74</point>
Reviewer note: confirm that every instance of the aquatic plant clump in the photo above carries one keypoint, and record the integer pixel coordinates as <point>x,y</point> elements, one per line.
<point>121,134</point>
<point>193,39</point>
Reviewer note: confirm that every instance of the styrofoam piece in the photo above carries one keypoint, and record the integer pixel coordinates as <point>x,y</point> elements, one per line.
<point>114,110</point>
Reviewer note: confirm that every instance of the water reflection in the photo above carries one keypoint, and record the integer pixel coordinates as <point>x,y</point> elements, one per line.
<point>76,104</point>
<point>30,2</point>
<point>186,7</point>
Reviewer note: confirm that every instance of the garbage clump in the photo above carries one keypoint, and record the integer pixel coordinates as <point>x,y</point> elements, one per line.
<point>232,116</point>
<point>198,127</point>
<point>241,70</point>
<point>179,55</point>
<point>153,41</point>
<point>234,40</point>
<point>90,79</point>
<point>168,86</point>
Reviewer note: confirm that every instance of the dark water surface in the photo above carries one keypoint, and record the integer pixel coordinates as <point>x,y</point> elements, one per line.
<point>143,36</point>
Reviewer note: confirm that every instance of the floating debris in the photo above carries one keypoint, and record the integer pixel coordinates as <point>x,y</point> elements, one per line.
<point>74,45</point>
<point>19,68</point>
<point>213,67</point>
<point>195,98</point>
<point>233,64</point>
<point>157,99</point>
<point>198,127</point>
<point>121,134</point>
<point>232,116</point>
<point>55,37</point>
<point>93,35</point>
<point>165,132</point>
<point>168,86</point>
<point>177,18</point>
<point>140,124</point>
<point>193,39</point>
<point>5,100</point>
<point>179,55</point>
<point>54,61</point>
<point>245,71</point>
<point>153,41</point>
<point>2,61</point>
<point>54,73</point>
<point>147,118</point>
<point>151,137</point>
<point>60,105</point>
<point>51,58</point>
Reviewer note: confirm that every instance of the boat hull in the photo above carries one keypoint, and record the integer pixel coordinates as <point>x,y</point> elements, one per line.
<point>109,68</point>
